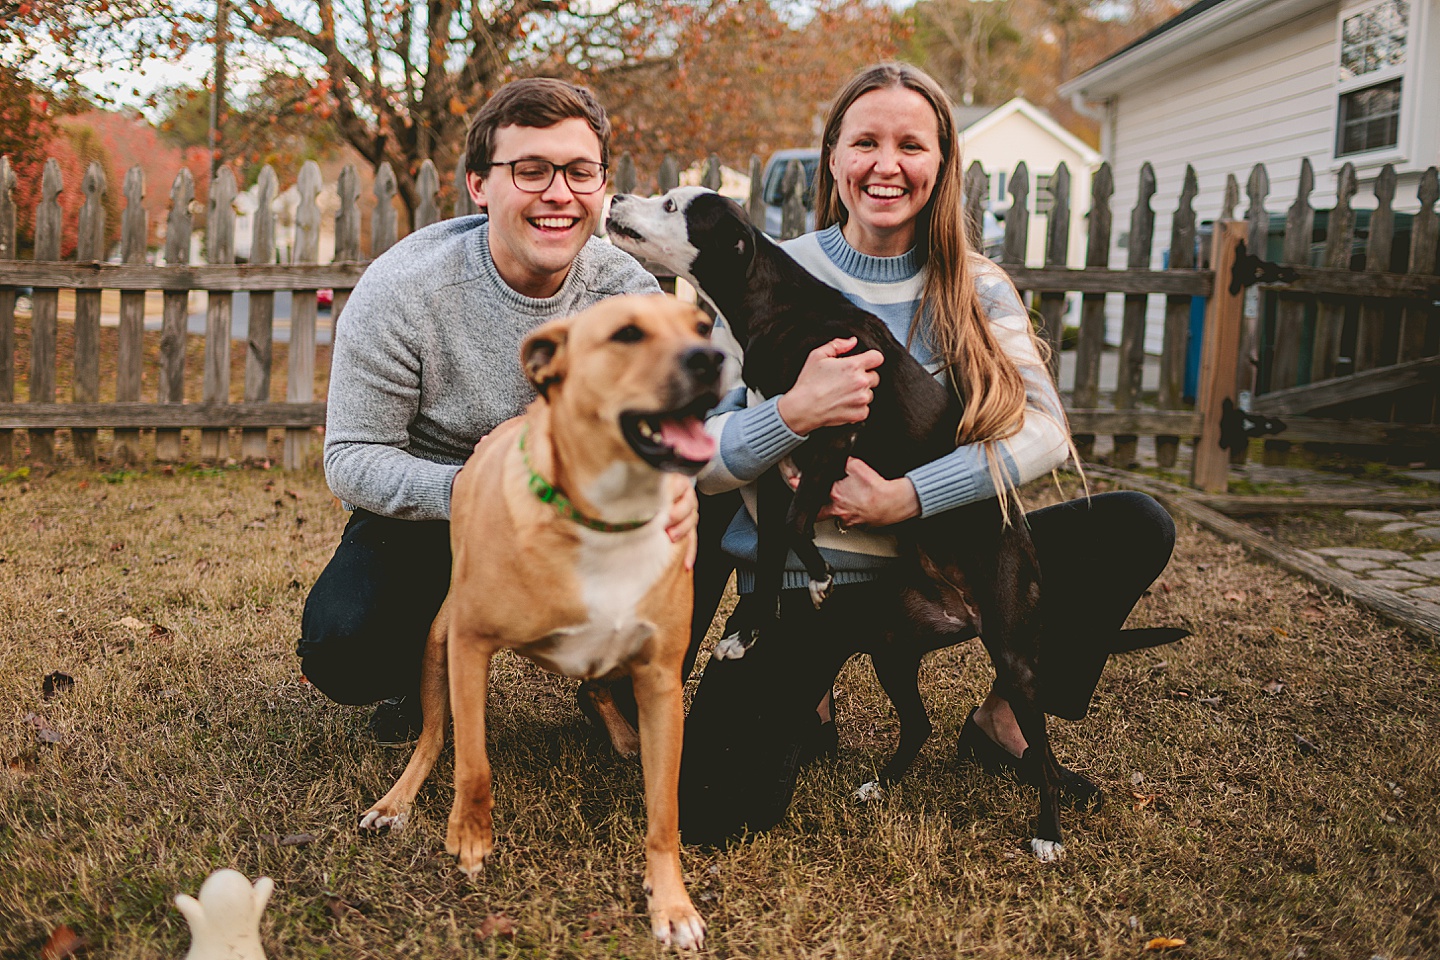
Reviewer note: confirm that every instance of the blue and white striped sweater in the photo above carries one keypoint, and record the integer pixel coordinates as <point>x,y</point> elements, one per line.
<point>753,437</point>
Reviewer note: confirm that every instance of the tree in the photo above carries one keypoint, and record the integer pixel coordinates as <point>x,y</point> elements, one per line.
<point>969,46</point>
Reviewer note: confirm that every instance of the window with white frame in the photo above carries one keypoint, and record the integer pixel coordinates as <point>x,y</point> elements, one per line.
<point>1374,53</point>
<point>1044,195</point>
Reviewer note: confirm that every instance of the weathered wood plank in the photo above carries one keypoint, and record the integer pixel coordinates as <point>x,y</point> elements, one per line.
<point>7,303</point>
<point>1377,381</point>
<point>45,306</point>
<point>1057,253</point>
<point>219,248</point>
<point>383,218</point>
<point>130,356</point>
<point>1290,310</point>
<point>1017,218</point>
<point>176,310</point>
<point>1105,420</point>
<point>167,416</point>
<point>976,188</point>
<point>1257,237</point>
<point>90,245</point>
<point>347,233</point>
<point>1223,329</point>
<point>755,204</point>
<point>1418,317</point>
<point>1183,423</point>
<point>713,178</point>
<point>1231,199</point>
<point>1370,338</point>
<point>625,177</point>
<point>427,185</point>
<point>260,329</point>
<point>1132,324</point>
<point>669,177</point>
<point>792,210</point>
<point>1092,306</point>
<point>1331,316</point>
<point>227,277</point>
<point>464,203</point>
<point>300,379</point>
<point>1177,317</point>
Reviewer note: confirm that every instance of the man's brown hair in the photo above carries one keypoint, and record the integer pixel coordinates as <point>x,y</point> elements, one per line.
<point>532,102</point>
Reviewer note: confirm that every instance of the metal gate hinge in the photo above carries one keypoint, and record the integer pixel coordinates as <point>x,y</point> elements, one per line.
<point>1250,269</point>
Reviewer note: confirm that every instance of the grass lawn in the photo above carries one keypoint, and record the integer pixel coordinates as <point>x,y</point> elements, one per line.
<point>1272,780</point>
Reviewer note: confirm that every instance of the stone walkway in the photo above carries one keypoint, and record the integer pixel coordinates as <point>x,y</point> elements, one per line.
<point>1416,574</point>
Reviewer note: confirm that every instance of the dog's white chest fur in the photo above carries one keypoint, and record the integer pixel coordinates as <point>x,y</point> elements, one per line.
<point>615,572</point>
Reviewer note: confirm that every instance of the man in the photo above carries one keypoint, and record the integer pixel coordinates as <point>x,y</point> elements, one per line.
<point>426,365</point>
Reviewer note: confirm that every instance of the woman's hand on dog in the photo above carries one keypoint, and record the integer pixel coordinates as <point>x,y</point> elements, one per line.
<point>684,518</point>
<point>832,390</point>
<point>863,498</point>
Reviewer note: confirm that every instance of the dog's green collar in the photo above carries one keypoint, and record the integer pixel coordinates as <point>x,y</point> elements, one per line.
<point>548,494</point>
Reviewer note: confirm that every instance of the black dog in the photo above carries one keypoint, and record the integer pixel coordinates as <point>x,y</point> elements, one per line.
<point>965,572</point>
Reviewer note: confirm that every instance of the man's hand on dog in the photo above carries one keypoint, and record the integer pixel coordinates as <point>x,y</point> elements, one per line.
<point>863,498</point>
<point>832,390</point>
<point>684,518</point>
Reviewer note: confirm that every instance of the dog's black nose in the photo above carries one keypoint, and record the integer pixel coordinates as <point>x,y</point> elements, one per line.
<point>704,364</point>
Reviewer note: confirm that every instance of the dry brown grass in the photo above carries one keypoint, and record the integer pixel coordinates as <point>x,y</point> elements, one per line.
<point>197,747</point>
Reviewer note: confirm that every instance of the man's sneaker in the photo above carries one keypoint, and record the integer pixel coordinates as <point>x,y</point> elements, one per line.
<point>397,721</point>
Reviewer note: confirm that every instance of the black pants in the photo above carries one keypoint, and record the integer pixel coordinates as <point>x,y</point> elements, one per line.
<point>363,631</point>
<point>750,716</point>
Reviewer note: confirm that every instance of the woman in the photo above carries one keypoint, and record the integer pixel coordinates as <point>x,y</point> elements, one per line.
<point>891,237</point>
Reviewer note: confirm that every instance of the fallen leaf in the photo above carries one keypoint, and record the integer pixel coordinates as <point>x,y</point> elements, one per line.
<point>1144,799</point>
<point>62,942</point>
<point>1164,943</point>
<point>296,840</point>
<point>1279,631</point>
<point>1237,595</point>
<point>56,683</point>
<point>1307,747</point>
<point>338,908</point>
<point>1274,687</point>
<point>129,622</point>
<point>496,925</point>
<point>1209,701</point>
<point>157,632</point>
<point>294,494</point>
<point>43,731</point>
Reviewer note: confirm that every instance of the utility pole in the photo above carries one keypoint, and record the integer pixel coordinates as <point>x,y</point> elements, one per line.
<point>217,92</point>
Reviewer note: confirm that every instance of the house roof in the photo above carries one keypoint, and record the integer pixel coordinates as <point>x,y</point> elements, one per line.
<point>1206,26</point>
<point>992,117</point>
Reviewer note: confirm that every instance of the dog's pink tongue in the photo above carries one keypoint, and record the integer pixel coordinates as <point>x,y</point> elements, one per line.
<point>688,438</point>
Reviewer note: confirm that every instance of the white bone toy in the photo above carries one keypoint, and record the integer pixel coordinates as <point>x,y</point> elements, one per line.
<point>225,921</point>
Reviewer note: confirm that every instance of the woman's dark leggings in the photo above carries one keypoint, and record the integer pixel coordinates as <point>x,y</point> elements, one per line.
<point>750,716</point>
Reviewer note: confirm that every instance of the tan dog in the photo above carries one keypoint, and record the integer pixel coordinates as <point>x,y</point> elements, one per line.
<point>560,554</point>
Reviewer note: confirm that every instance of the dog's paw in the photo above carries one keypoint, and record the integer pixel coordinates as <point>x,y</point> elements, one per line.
<point>870,790</point>
<point>378,818</point>
<point>730,648</point>
<point>820,591</point>
<point>1047,851</point>
<point>471,843</point>
<point>679,927</point>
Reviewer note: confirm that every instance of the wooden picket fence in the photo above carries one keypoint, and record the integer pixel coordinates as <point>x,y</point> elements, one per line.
<point>1390,315</point>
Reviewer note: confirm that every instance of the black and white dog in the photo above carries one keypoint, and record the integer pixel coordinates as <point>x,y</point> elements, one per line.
<point>965,572</point>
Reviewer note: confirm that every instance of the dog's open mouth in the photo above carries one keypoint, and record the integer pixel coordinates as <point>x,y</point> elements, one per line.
<point>614,226</point>
<point>674,440</point>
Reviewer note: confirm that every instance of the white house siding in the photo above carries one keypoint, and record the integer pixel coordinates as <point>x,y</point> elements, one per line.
<point>1268,100</point>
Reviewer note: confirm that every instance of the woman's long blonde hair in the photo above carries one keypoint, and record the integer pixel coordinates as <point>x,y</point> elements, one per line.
<point>986,378</point>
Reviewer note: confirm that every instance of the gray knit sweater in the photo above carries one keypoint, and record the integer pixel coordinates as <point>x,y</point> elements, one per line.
<point>426,361</point>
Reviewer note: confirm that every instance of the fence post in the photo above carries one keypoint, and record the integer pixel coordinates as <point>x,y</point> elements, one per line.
<point>625,179</point>
<point>428,186</point>
<point>219,248</point>
<point>1017,218</point>
<point>260,333</point>
<point>347,234</point>
<point>1177,317</point>
<point>1330,317</point>
<point>382,220</point>
<point>1092,307</point>
<point>1057,254</point>
<point>1416,405</point>
<point>1224,326</point>
<point>90,246</point>
<point>1130,381</point>
<point>45,309</point>
<point>7,304</point>
<point>756,204</point>
<point>714,176</point>
<point>300,381</point>
<point>792,209</point>
<point>669,175</point>
<point>176,311</point>
<point>1284,363</point>
<point>464,203</point>
<point>1370,336</point>
<point>976,189</point>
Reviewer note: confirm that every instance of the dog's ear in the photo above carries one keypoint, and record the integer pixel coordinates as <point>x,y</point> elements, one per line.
<point>542,355</point>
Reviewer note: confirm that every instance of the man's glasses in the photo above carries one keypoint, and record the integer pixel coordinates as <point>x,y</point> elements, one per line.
<point>535,176</point>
